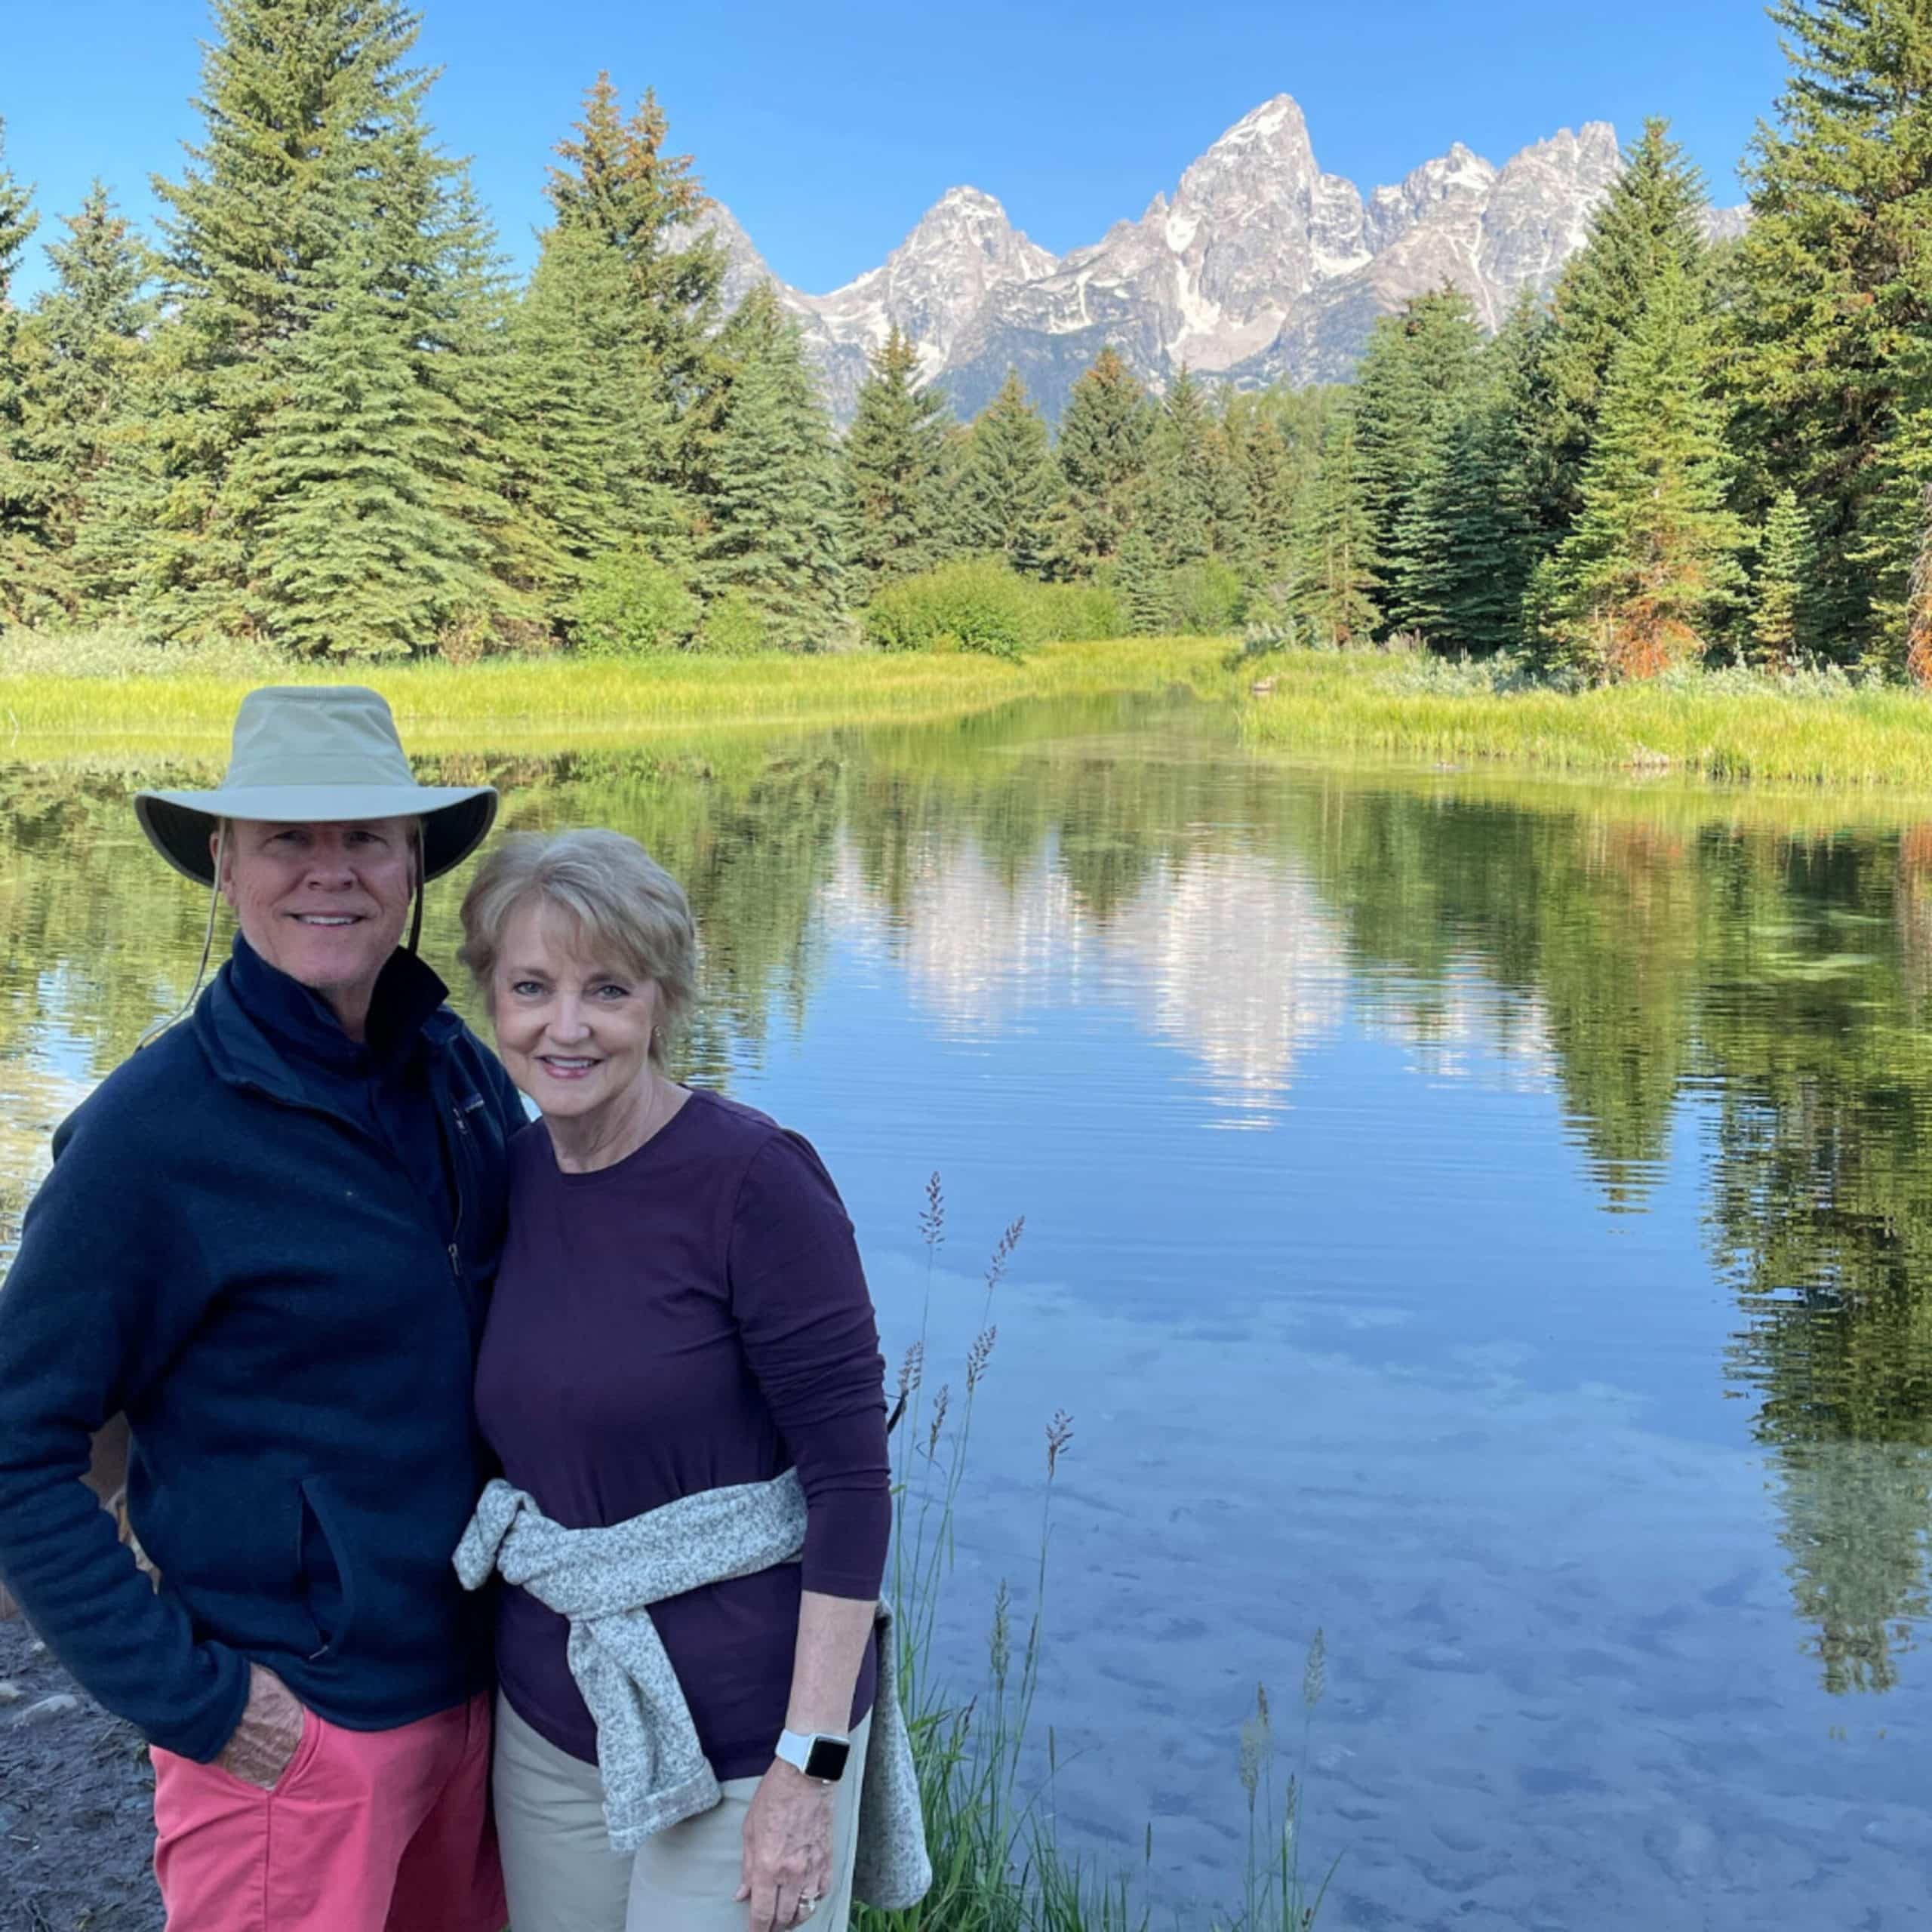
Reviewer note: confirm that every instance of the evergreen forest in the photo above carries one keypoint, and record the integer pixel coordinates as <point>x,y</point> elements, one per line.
<point>314,411</point>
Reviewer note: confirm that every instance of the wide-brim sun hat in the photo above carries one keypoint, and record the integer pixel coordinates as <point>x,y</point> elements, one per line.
<point>316,754</point>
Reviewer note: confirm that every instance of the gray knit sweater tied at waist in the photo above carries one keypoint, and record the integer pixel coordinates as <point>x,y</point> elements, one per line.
<point>604,1581</point>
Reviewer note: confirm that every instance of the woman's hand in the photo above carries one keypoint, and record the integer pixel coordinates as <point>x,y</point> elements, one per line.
<point>788,1849</point>
<point>265,1740</point>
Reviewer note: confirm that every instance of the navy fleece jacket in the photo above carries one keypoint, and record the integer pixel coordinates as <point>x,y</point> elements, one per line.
<point>230,1251</point>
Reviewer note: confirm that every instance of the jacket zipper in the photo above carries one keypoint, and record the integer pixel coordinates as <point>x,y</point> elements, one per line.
<point>456,1113</point>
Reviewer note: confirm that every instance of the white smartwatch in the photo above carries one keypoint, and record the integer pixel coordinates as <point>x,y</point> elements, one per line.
<point>818,1754</point>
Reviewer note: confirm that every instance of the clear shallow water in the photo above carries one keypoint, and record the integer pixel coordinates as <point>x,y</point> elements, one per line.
<point>1488,1223</point>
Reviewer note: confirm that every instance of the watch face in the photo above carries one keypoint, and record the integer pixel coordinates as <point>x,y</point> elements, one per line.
<point>827,1758</point>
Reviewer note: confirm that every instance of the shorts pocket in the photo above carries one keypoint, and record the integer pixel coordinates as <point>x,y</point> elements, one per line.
<point>306,1751</point>
<point>306,1747</point>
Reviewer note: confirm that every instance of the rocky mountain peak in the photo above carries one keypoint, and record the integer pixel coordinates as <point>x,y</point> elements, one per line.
<point>1270,145</point>
<point>969,221</point>
<point>1256,266</point>
<point>961,250</point>
<point>1459,177</point>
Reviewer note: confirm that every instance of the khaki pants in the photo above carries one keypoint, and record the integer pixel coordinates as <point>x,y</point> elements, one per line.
<point>562,1876</point>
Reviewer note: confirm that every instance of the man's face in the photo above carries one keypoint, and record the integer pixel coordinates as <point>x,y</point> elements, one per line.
<point>323,903</point>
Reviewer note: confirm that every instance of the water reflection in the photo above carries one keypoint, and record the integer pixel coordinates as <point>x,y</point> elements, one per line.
<point>1502,1049</point>
<point>1230,957</point>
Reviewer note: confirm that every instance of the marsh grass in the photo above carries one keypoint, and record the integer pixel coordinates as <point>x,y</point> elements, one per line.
<point>997,1865</point>
<point>1813,728</point>
<point>105,688</point>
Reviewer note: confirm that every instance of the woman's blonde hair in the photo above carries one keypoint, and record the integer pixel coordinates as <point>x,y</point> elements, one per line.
<point>627,910</point>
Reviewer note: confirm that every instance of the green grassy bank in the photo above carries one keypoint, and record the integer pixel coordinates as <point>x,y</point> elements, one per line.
<point>532,702</point>
<point>1810,730</point>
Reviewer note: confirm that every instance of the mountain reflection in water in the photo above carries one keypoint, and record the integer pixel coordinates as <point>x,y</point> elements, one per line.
<point>1554,1330</point>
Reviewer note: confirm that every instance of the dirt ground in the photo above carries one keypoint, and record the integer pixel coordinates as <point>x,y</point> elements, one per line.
<point>76,1804</point>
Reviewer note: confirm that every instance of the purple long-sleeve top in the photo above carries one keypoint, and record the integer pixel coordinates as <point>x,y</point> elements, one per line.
<point>692,1317</point>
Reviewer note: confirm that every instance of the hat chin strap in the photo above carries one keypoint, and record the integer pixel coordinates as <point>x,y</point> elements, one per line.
<point>161,1026</point>
<point>416,916</point>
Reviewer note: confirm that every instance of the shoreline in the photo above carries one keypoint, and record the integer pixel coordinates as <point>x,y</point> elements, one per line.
<point>1726,734</point>
<point>1728,731</point>
<point>564,702</point>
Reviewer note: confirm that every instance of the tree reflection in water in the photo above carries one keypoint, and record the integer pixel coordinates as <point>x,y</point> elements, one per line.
<point>1748,959</point>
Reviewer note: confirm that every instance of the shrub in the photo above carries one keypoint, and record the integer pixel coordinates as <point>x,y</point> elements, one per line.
<point>975,604</point>
<point>1079,613</point>
<point>980,603</point>
<point>632,605</point>
<point>734,626</point>
<point>464,637</point>
<point>1205,598</point>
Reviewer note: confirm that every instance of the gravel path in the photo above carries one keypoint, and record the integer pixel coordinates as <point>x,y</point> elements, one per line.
<point>76,1804</point>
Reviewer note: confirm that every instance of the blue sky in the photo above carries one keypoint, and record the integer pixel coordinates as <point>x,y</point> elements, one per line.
<point>830,128</point>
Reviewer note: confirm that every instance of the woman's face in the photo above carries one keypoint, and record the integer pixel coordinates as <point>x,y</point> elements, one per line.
<point>574,1031</point>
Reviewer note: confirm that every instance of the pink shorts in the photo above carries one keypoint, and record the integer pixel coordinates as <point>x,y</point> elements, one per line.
<point>367,1831</point>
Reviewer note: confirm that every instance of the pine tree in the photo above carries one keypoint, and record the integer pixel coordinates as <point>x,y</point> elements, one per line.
<point>1650,218</point>
<point>315,183</point>
<point>616,373</point>
<point>1785,563</point>
<point>891,459</point>
<point>1269,487</point>
<point>1182,493</point>
<point>1414,370</point>
<point>1003,496</point>
<point>1337,564</point>
<point>1224,480</point>
<point>1652,558</point>
<point>1837,301</point>
<point>30,578</point>
<point>95,323</point>
<point>466,354</point>
<point>1464,545</point>
<point>1140,583</point>
<point>770,525</point>
<point>365,548</point>
<point>381,511</point>
<point>1276,437</point>
<point>1894,532</point>
<point>18,223</point>
<point>1106,438</point>
<point>1918,599</point>
<point>622,188</point>
<point>587,428</point>
<point>110,565</point>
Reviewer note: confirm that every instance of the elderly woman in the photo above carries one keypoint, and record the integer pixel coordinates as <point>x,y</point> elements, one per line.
<point>681,1376</point>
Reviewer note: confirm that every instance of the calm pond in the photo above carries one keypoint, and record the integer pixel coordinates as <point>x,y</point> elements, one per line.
<point>1489,1222</point>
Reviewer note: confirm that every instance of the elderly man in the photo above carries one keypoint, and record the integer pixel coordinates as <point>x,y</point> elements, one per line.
<point>268,1239</point>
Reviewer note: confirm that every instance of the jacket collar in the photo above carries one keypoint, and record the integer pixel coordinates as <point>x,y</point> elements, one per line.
<point>260,1028</point>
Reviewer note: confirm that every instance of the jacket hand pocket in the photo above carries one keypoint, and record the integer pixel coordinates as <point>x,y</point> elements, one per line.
<point>329,1575</point>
